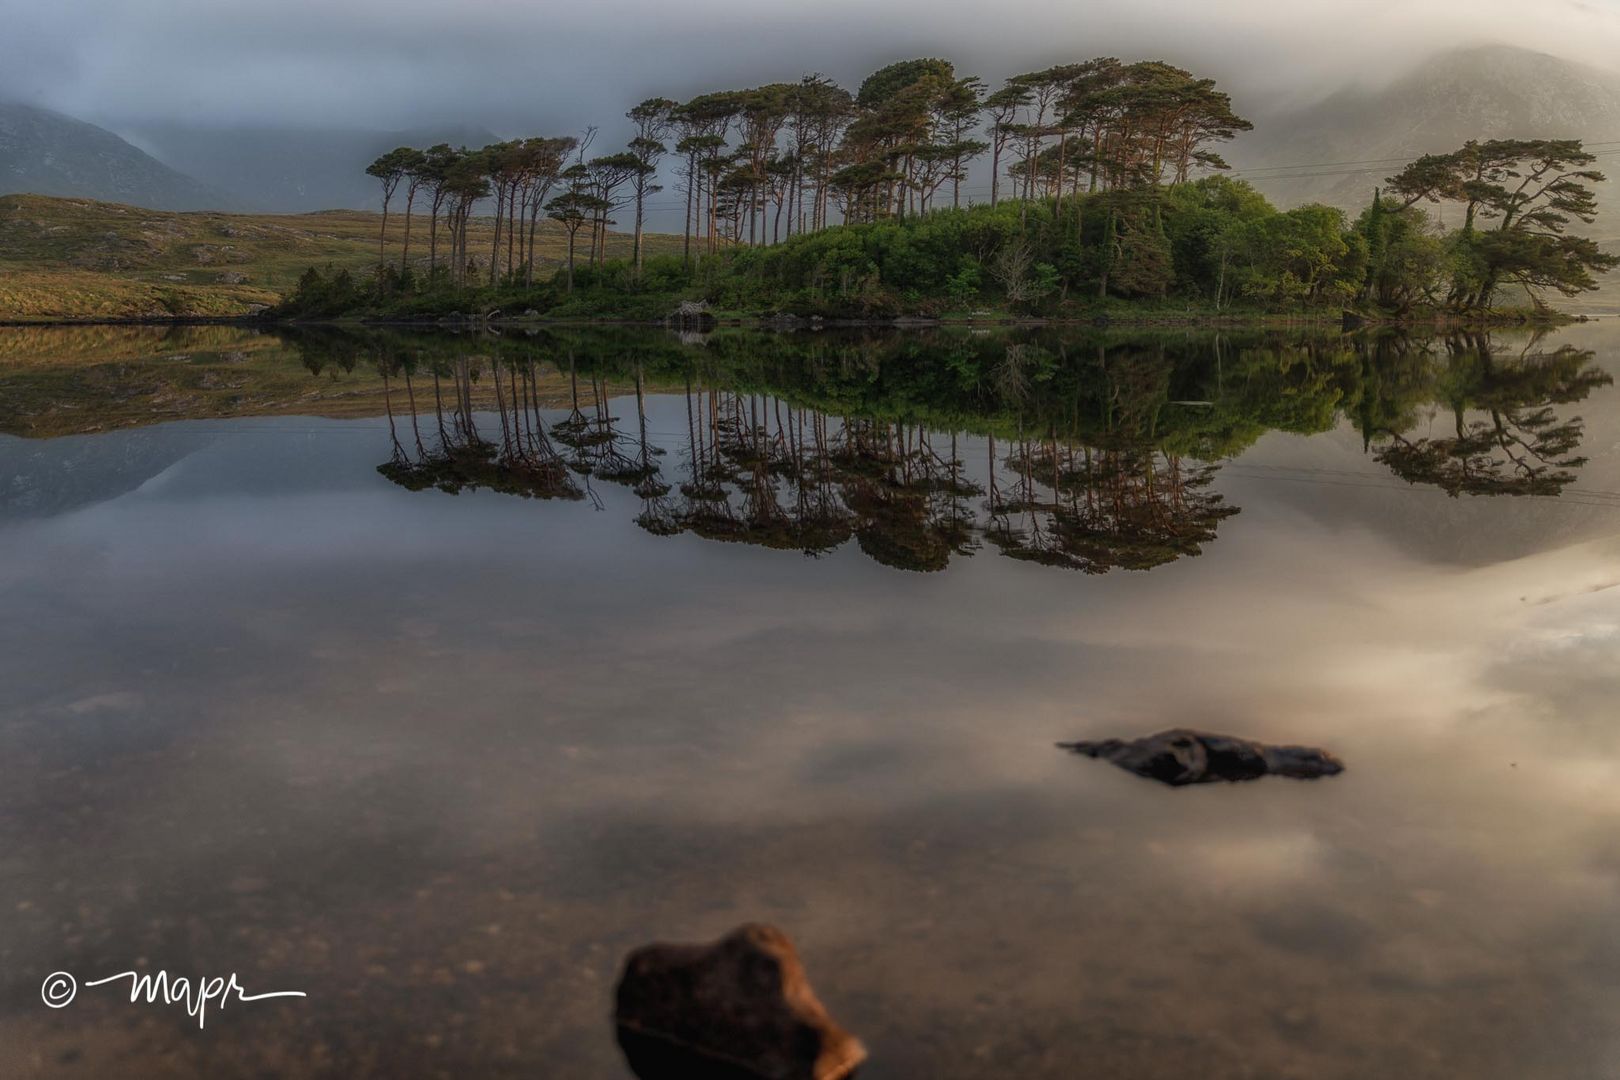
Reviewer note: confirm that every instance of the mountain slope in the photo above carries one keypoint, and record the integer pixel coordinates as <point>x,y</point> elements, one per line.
<point>1337,150</point>
<point>285,170</point>
<point>46,153</point>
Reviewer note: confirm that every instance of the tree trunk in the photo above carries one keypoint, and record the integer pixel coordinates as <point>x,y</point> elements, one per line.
<point>404,256</point>
<point>1057,200</point>
<point>713,214</point>
<point>382,237</point>
<point>495,242</point>
<point>433,241</point>
<point>686,222</point>
<point>995,165</point>
<point>528,263</point>
<point>635,245</point>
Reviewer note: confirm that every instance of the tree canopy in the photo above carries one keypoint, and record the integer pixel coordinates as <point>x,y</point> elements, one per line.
<point>807,197</point>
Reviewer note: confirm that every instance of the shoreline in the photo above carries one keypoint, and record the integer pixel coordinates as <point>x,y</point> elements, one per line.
<point>1344,322</point>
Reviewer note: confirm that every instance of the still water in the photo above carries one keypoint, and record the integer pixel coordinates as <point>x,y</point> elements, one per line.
<point>629,637</point>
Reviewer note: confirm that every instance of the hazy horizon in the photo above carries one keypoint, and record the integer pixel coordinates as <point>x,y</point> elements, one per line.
<point>520,70</point>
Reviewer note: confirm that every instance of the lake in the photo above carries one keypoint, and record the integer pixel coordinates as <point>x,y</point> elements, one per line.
<point>428,674</point>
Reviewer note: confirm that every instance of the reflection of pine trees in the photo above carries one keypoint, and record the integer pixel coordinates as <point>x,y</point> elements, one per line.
<point>766,472</point>
<point>705,507</point>
<point>656,515</point>
<point>823,521</point>
<point>886,490</point>
<point>763,471</point>
<point>523,461</point>
<point>598,447</point>
<point>1506,436</point>
<point>1098,509</point>
<point>1092,456</point>
<point>748,480</point>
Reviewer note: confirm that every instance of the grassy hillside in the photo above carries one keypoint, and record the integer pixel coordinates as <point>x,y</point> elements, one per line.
<point>78,259</point>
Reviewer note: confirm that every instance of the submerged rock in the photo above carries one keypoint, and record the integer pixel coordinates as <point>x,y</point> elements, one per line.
<point>1183,756</point>
<point>739,1009</point>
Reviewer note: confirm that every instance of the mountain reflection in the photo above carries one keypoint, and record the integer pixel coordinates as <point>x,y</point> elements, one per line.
<point>1091,455</point>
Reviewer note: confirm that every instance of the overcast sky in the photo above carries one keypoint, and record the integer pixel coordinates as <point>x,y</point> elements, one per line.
<point>520,66</point>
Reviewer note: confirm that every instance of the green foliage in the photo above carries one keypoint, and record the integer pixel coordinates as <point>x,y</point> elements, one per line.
<point>1105,155</point>
<point>1408,260</point>
<point>1118,192</point>
<point>964,285</point>
<point>1206,241</point>
<point>1303,256</point>
<point>1215,243</point>
<point>1518,198</point>
<point>1142,258</point>
<point>1202,222</point>
<point>326,295</point>
<point>882,85</point>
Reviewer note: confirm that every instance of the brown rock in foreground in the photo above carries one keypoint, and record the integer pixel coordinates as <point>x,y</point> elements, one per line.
<point>1182,756</point>
<point>739,1009</point>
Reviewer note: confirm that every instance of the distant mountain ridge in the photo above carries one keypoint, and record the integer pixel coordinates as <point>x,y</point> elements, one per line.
<point>180,167</point>
<point>47,153</point>
<point>283,170</point>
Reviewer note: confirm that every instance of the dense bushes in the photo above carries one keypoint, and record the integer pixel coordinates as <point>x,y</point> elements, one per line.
<point>1212,245</point>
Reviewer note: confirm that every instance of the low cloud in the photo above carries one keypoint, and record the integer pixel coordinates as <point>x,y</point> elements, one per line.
<point>516,66</point>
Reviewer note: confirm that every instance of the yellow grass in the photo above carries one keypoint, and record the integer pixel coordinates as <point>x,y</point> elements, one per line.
<point>80,259</point>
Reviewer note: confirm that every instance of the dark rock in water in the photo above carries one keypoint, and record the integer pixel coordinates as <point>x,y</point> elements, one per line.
<point>739,1009</point>
<point>1182,756</point>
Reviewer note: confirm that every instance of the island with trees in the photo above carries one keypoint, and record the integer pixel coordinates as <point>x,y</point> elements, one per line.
<point>1107,198</point>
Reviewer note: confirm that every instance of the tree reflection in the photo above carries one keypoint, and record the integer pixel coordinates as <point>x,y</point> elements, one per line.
<point>1506,436</point>
<point>522,462</point>
<point>1092,456</point>
<point>1096,510</point>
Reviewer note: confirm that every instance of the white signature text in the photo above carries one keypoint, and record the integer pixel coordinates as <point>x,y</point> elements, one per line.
<point>60,988</point>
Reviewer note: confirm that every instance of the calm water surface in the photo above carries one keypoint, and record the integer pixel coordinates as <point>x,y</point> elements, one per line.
<point>438,752</point>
